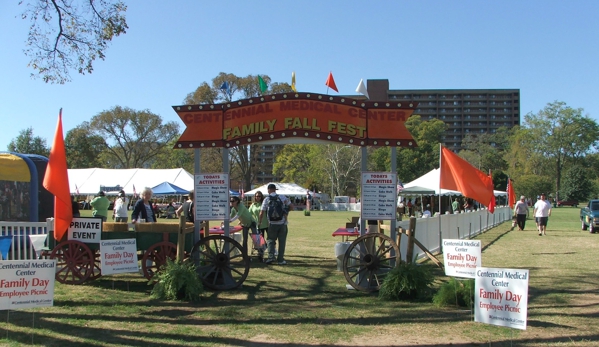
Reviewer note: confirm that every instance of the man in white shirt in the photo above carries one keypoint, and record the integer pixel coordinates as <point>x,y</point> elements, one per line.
<point>427,211</point>
<point>542,212</point>
<point>120,211</point>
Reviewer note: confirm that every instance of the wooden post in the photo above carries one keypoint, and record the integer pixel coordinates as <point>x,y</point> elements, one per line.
<point>411,236</point>
<point>181,239</point>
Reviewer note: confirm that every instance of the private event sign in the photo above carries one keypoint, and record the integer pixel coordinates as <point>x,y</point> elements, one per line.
<point>379,195</point>
<point>27,283</point>
<point>212,196</point>
<point>86,230</point>
<point>118,256</point>
<point>501,297</point>
<point>461,257</point>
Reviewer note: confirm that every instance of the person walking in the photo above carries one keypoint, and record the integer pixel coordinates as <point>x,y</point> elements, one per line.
<point>239,211</point>
<point>120,213</point>
<point>255,209</point>
<point>521,211</point>
<point>100,206</point>
<point>143,207</point>
<point>188,209</point>
<point>542,212</point>
<point>276,208</point>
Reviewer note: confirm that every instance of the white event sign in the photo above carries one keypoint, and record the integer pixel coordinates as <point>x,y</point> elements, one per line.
<point>118,256</point>
<point>501,297</point>
<point>27,283</point>
<point>86,230</point>
<point>379,196</point>
<point>212,196</point>
<point>461,257</point>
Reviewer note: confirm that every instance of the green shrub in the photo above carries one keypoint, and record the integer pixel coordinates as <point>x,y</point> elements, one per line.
<point>176,281</point>
<point>407,281</point>
<point>455,292</point>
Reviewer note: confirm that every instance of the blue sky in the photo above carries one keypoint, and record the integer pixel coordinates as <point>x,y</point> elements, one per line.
<point>547,49</point>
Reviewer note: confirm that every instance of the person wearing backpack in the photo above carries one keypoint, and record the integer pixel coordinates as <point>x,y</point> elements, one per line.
<point>276,208</point>
<point>187,208</point>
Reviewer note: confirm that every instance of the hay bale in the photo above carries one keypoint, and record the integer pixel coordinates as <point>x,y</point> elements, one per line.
<point>115,226</point>
<point>157,227</point>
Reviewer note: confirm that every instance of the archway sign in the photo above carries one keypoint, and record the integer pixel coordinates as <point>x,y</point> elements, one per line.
<point>286,118</point>
<point>296,118</point>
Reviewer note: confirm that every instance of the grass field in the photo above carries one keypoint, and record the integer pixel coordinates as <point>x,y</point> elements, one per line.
<point>306,303</point>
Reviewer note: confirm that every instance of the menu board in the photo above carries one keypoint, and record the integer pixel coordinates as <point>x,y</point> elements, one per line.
<point>379,195</point>
<point>212,196</point>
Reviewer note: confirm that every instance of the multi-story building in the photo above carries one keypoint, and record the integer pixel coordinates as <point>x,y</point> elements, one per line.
<point>265,159</point>
<point>464,111</point>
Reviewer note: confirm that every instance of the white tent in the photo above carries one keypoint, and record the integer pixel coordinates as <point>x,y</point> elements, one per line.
<point>287,189</point>
<point>431,180</point>
<point>89,181</point>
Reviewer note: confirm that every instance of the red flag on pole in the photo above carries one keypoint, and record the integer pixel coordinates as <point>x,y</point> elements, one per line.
<point>491,204</point>
<point>511,195</point>
<point>458,174</point>
<point>331,82</point>
<point>56,181</point>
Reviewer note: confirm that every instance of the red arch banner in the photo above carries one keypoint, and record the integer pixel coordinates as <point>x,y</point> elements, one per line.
<point>279,117</point>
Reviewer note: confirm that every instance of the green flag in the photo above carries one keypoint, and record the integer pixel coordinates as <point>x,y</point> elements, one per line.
<point>263,86</point>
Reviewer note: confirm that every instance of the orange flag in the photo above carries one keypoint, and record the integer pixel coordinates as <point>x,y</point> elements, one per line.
<point>492,202</point>
<point>458,174</point>
<point>56,181</point>
<point>331,82</point>
<point>511,195</point>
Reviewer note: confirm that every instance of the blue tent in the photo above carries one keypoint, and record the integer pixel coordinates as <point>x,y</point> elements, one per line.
<point>233,193</point>
<point>166,188</point>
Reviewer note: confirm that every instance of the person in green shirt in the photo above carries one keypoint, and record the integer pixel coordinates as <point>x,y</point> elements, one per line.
<point>100,206</point>
<point>455,205</point>
<point>255,208</point>
<point>239,211</point>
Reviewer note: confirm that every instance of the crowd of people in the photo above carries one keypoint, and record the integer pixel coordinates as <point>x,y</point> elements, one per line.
<point>266,217</point>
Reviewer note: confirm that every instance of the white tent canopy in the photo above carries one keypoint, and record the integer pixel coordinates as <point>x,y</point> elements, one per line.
<point>89,181</point>
<point>287,189</point>
<point>431,181</point>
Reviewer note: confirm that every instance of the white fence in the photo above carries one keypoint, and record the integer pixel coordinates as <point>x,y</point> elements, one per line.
<point>21,247</point>
<point>431,231</point>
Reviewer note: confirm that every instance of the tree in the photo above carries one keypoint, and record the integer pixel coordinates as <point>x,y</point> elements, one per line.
<point>67,35</point>
<point>577,184</point>
<point>561,134</point>
<point>299,164</point>
<point>485,151</point>
<point>415,162</point>
<point>532,185</point>
<point>344,167</point>
<point>134,138</point>
<point>26,143</point>
<point>225,87</point>
<point>82,148</point>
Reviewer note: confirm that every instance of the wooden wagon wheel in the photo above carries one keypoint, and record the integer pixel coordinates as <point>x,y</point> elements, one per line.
<point>96,270</point>
<point>74,262</point>
<point>156,256</point>
<point>220,261</point>
<point>368,260</point>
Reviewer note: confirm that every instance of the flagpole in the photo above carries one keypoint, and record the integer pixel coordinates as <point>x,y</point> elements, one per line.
<point>440,233</point>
